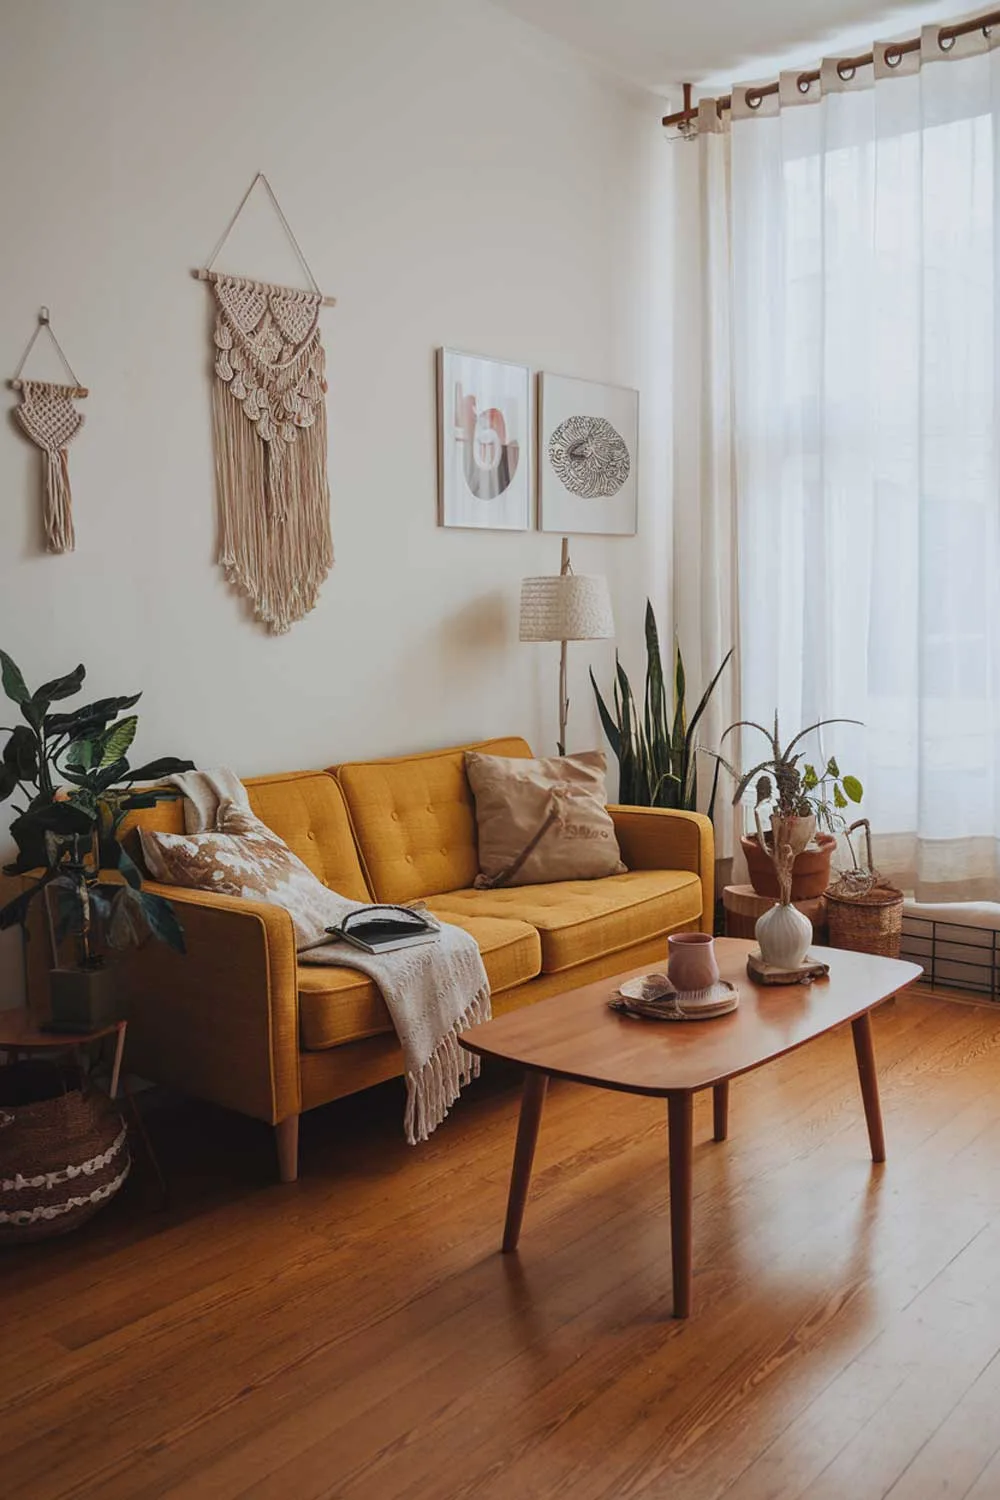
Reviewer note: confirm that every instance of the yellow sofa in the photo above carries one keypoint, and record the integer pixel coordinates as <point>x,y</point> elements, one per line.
<point>238,1022</point>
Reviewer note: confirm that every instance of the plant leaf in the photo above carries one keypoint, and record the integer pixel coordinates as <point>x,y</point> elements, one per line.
<point>748,724</point>
<point>21,754</point>
<point>705,698</point>
<point>748,776</point>
<point>819,724</point>
<point>13,683</point>
<point>117,740</point>
<point>162,920</point>
<point>129,868</point>
<point>109,774</point>
<point>852,786</point>
<point>610,727</point>
<point>83,722</point>
<point>839,800</point>
<point>170,765</point>
<point>60,687</point>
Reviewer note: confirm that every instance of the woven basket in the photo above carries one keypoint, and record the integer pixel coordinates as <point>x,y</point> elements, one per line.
<point>868,924</point>
<point>61,1159</point>
<point>870,921</point>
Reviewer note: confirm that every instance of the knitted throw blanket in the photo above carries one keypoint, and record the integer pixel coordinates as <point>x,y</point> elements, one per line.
<point>432,992</point>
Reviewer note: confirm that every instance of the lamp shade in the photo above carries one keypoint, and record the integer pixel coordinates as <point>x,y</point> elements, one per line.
<point>570,607</point>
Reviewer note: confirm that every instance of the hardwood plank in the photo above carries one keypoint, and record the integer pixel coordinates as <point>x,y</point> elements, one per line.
<point>358,1334</point>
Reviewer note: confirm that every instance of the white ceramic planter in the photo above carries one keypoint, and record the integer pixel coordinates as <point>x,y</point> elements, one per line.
<point>784,935</point>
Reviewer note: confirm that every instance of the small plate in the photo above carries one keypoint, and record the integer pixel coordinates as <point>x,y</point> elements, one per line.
<point>671,1005</point>
<point>648,988</point>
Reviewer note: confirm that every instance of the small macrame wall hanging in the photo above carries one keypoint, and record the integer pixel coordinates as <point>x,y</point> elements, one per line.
<point>49,418</point>
<point>269,420</point>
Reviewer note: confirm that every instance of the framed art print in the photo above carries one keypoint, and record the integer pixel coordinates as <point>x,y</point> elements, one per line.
<point>484,424</point>
<point>588,438</point>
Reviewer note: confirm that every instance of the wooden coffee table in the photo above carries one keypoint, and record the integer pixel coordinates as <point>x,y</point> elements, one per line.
<point>576,1036</point>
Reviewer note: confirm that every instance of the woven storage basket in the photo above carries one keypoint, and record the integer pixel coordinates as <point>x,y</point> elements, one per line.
<point>869,921</point>
<point>61,1159</point>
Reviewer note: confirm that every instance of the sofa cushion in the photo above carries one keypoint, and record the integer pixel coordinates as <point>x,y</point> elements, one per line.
<point>579,920</point>
<point>542,820</point>
<point>342,1005</point>
<point>415,820</point>
<point>304,808</point>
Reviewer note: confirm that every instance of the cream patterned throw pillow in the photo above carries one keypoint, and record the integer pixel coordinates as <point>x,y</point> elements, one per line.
<point>241,856</point>
<point>544,820</point>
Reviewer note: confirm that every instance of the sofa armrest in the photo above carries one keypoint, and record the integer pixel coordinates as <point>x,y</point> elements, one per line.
<point>220,1021</point>
<point>657,838</point>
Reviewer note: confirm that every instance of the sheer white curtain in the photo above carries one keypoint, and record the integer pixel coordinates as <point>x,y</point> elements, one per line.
<point>865,338</point>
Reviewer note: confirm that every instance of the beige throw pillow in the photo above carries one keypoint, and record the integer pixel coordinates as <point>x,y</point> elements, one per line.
<point>241,856</point>
<point>542,820</point>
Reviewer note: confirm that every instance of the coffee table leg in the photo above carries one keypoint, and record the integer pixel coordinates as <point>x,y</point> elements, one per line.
<point>864,1051</point>
<point>680,1120</point>
<point>532,1100</point>
<point>720,1110</point>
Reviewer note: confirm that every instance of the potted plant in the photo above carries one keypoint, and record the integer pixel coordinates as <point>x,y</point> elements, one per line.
<point>804,802</point>
<point>657,751</point>
<point>73,771</point>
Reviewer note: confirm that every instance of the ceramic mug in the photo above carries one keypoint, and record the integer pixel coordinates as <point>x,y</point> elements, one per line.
<point>691,964</point>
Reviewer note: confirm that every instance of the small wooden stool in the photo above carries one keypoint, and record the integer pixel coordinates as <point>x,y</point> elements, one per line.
<point>743,906</point>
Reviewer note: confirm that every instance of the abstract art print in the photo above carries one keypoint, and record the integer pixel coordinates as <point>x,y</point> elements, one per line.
<point>588,436</point>
<point>484,423</point>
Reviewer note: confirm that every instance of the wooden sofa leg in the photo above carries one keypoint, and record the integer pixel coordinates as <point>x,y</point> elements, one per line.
<point>286,1135</point>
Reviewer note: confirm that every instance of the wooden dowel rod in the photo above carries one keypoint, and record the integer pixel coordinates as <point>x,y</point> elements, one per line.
<point>202,275</point>
<point>72,390</point>
<point>894,51</point>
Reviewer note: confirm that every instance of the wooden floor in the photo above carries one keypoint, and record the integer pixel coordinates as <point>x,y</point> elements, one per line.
<point>358,1335</point>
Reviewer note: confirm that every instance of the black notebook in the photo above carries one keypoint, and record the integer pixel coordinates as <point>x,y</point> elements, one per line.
<point>384,929</point>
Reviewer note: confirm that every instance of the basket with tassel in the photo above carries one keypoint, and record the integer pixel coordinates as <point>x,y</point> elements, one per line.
<point>865,912</point>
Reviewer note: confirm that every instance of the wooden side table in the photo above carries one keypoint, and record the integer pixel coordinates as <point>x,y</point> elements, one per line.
<point>743,906</point>
<point>21,1033</point>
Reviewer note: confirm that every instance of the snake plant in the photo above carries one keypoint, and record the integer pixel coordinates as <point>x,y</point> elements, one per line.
<point>657,750</point>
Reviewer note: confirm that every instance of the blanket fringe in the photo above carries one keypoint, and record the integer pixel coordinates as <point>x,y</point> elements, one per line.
<point>432,1091</point>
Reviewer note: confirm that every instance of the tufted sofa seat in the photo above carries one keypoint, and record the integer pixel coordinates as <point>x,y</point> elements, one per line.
<point>237,1020</point>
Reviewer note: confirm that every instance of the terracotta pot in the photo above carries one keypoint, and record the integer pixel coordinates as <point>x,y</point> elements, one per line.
<point>810,871</point>
<point>692,965</point>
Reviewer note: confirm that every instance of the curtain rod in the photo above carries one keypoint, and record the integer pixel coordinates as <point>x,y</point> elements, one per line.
<point>846,67</point>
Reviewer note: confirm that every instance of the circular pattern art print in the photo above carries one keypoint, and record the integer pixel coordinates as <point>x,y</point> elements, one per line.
<point>590,457</point>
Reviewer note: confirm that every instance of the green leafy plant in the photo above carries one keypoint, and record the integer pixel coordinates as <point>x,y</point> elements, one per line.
<point>73,771</point>
<point>657,751</point>
<point>795,787</point>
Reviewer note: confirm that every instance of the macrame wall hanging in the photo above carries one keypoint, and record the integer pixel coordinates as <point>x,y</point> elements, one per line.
<point>269,418</point>
<point>51,421</point>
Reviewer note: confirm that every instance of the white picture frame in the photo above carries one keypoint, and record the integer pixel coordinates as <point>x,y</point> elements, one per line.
<point>588,442</point>
<point>484,442</point>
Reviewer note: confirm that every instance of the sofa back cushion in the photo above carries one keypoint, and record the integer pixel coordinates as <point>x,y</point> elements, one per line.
<point>304,808</point>
<point>415,819</point>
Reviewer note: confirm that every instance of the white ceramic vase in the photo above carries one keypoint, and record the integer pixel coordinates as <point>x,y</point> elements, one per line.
<point>784,935</point>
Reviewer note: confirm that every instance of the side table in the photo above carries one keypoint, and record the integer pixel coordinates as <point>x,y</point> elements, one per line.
<point>743,906</point>
<point>20,1033</point>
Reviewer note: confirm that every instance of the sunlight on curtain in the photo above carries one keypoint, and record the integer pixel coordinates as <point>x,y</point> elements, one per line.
<point>865,353</point>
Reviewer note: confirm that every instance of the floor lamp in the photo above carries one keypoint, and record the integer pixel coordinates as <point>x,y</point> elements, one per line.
<point>570,607</point>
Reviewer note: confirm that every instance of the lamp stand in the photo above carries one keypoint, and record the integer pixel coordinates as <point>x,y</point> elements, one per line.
<point>564,568</point>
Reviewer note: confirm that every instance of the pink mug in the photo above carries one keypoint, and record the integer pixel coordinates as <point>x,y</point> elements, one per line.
<point>692,965</point>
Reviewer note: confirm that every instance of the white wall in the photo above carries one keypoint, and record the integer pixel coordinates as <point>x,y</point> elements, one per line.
<point>454,178</point>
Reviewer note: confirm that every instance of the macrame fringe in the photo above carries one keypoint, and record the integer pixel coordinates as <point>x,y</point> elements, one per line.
<point>51,421</point>
<point>58,511</point>
<point>432,1091</point>
<point>274,513</point>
